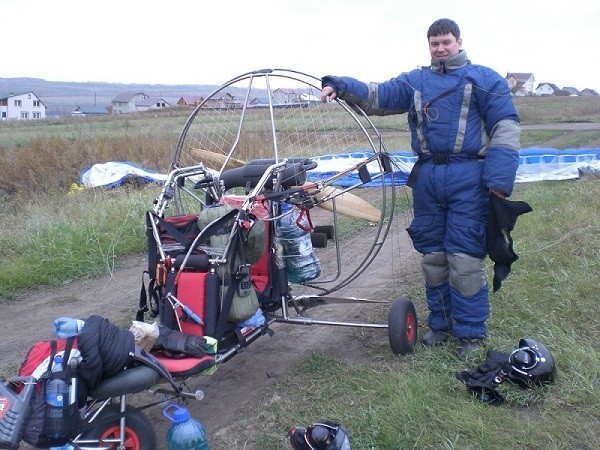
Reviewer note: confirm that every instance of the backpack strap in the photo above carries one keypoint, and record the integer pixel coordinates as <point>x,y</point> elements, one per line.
<point>53,351</point>
<point>233,286</point>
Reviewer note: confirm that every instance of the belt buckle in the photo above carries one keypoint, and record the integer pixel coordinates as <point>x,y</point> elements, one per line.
<point>441,158</point>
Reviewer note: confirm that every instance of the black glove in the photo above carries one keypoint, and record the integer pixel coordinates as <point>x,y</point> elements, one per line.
<point>481,380</point>
<point>176,344</point>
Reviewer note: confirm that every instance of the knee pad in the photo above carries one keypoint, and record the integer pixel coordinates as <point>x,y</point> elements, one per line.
<point>467,274</point>
<point>435,268</point>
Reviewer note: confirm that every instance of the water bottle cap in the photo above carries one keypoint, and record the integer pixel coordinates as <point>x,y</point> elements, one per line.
<point>181,415</point>
<point>286,206</point>
<point>58,359</point>
<point>178,415</point>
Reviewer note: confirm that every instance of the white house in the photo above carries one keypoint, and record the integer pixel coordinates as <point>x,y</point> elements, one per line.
<point>125,102</point>
<point>22,106</point>
<point>128,102</point>
<point>151,103</point>
<point>520,84</point>
<point>545,89</point>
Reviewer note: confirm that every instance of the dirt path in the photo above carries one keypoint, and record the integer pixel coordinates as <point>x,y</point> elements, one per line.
<point>238,387</point>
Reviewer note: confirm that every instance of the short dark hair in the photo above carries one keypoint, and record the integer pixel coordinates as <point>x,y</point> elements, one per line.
<point>443,26</point>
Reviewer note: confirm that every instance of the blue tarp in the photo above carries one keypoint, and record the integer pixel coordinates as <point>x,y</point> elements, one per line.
<point>536,164</point>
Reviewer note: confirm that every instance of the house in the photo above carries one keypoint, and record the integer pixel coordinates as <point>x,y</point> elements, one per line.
<point>520,84</point>
<point>310,98</point>
<point>125,102</point>
<point>128,102</point>
<point>226,101</point>
<point>21,106</point>
<point>546,89</point>
<point>285,96</point>
<point>588,91</point>
<point>572,91</point>
<point>89,110</point>
<point>151,103</point>
<point>190,100</point>
<point>259,102</point>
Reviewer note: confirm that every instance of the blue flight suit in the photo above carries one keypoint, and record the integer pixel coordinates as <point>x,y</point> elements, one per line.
<point>466,132</point>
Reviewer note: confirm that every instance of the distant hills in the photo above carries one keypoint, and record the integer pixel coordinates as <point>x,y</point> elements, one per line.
<point>62,97</point>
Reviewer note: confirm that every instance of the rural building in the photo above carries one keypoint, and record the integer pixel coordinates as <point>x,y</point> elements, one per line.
<point>588,91</point>
<point>520,84</point>
<point>546,89</point>
<point>151,103</point>
<point>190,100</point>
<point>129,102</point>
<point>259,102</point>
<point>22,106</point>
<point>226,101</point>
<point>285,96</point>
<point>89,110</point>
<point>572,91</point>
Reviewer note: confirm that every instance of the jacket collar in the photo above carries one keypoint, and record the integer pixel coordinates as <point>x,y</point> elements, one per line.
<point>454,62</point>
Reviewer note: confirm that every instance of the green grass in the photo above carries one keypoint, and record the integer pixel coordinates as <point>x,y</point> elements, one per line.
<point>50,237</point>
<point>415,401</point>
<point>60,238</point>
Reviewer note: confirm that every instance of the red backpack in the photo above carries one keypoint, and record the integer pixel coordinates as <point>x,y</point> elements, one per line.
<point>48,425</point>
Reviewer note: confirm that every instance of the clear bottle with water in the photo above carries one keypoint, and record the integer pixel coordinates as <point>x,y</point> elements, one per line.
<point>56,396</point>
<point>185,433</point>
<point>300,258</point>
<point>57,389</point>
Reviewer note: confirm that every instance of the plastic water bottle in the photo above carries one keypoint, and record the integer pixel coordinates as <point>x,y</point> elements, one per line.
<point>66,327</point>
<point>57,389</point>
<point>300,258</point>
<point>57,396</point>
<point>185,433</point>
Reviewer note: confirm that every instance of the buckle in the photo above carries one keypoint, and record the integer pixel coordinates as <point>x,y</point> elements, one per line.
<point>441,158</point>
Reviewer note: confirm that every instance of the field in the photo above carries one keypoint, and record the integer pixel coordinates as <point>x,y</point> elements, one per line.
<point>83,253</point>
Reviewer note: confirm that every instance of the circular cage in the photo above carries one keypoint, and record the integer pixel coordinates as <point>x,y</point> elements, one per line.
<point>277,114</point>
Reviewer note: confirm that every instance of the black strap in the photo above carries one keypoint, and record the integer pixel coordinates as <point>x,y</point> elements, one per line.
<point>173,231</point>
<point>414,173</point>
<point>232,288</point>
<point>53,348</point>
<point>67,353</point>
<point>143,305</point>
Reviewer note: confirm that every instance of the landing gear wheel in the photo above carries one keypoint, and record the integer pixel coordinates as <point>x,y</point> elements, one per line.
<point>139,431</point>
<point>402,326</point>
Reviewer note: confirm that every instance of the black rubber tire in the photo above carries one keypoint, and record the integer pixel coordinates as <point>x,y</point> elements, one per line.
<point>139,433</point>
<point>329,230</point>
<point>402,326</point>
<point>318,240</point>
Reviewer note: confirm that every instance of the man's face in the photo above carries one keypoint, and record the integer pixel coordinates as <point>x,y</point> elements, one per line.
<point>445,46</point>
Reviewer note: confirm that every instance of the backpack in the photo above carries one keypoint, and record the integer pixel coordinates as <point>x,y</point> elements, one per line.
<point>49,425</point>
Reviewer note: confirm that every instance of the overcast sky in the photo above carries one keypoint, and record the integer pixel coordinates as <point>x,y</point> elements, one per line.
<point>210,42</point>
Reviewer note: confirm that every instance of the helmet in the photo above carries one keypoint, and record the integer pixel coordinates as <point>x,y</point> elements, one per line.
<point>320,436</point>
<point>531,364</point>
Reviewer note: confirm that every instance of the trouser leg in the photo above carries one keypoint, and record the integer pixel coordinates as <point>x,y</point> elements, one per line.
<point>469,296</point>
<point>437,291</point>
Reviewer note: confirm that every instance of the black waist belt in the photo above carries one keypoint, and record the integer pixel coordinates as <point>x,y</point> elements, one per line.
<point>447,158</point>
<point>437,158</point>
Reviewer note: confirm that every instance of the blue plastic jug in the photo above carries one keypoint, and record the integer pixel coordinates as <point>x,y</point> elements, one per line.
<point>185,433</point>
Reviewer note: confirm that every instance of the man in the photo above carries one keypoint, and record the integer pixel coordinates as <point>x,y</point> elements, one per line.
<point>466,132</point>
